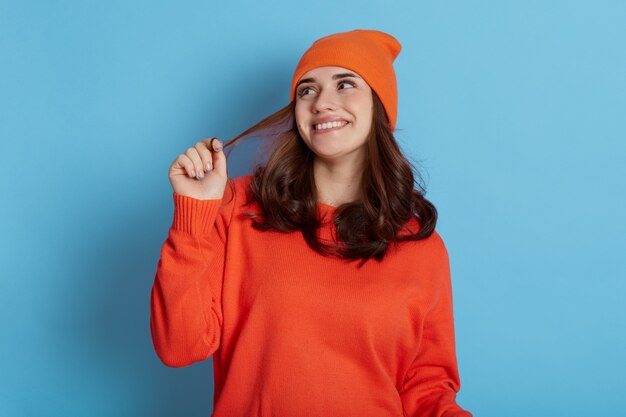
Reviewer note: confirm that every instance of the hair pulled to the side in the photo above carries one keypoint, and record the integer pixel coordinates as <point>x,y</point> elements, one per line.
<point>284,188</point>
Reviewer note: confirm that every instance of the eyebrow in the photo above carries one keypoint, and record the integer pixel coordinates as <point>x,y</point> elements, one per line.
<point>335,77</point>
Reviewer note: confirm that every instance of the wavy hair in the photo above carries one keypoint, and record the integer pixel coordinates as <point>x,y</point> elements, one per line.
<point>284,188</point>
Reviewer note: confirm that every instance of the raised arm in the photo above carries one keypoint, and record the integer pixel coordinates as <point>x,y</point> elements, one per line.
<point>186,311</point>
<point>185,301</point>
<point>432,381</point>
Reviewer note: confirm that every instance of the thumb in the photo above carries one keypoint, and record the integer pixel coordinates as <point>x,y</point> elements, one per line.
<point>219,158</point>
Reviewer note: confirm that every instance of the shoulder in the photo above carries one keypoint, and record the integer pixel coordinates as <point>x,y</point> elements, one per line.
<point>434,241</point>
<point>242,183</point>
<point>237,195</point>
<point>237,189</point>
<point>431,250</point>
<point>438,246</point>
<point>435,245</point>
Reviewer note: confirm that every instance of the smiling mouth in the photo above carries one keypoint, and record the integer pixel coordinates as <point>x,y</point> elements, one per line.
<point>330,129</point>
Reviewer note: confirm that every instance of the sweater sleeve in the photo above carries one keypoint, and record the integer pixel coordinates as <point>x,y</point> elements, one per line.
<point>432,381</point>
<point>185,302</point>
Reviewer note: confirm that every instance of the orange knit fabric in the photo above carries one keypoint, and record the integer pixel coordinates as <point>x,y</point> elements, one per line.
<point>294,333</point>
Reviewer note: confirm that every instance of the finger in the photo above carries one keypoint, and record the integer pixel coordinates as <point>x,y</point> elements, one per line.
<point>192,153</point>
<point>219,158</point>
<point>204,149</point>
<point>215,144</point>
<point>183,162</point>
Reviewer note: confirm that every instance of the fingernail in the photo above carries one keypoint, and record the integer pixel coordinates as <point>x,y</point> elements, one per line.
<point>193,174</point>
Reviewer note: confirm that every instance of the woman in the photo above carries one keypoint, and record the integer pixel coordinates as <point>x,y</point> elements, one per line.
<point>318,284</point>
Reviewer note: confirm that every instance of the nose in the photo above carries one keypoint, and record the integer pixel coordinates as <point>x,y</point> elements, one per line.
<point>324,101</point>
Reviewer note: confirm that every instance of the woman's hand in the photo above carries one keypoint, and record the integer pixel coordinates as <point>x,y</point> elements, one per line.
<point>200,172</point>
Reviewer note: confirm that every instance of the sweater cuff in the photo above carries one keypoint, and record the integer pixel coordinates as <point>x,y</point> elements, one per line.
<point>194,216</point>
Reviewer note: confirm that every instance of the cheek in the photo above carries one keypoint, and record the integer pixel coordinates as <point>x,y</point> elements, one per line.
<point>366,114</point>
<point>302,130</point>
<point>299,117</point>
<point>362,106</point>
<point>301,125</point>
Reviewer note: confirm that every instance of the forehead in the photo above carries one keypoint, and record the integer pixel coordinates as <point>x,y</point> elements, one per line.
<point>327,72</point>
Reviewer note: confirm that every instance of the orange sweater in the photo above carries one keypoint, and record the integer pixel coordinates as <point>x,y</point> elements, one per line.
<point>294,333</point>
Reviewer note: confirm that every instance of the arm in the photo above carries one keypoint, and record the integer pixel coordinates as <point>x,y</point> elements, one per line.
<point>185,301</point>
<point>432,381</point>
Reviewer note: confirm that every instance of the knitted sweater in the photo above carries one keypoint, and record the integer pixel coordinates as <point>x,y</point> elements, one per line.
<point>295,333</point>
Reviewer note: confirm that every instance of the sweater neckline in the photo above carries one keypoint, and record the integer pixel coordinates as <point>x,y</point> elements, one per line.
<point>325,212</point>
<point>326,207</point>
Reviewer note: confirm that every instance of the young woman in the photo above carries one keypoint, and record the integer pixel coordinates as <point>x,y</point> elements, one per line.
<point>318,284</point>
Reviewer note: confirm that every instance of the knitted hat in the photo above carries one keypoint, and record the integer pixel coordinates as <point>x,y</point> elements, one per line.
<point>370,53</point>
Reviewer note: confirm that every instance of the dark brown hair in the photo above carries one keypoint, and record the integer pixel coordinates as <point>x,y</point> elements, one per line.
<point>284,188</point>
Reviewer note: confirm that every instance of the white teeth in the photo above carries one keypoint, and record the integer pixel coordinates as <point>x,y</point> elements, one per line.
<point>329,125</point>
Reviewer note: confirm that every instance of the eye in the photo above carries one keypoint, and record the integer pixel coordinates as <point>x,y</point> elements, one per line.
<point>349,83</point>
<point>302,90</point>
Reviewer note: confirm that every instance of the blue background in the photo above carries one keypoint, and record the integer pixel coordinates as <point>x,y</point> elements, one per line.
<point>514,110</point>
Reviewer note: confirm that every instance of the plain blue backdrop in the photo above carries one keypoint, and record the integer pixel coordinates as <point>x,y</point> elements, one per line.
<point>513,110</point>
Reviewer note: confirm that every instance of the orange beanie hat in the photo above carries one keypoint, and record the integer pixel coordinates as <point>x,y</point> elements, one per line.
<point>370,53</point>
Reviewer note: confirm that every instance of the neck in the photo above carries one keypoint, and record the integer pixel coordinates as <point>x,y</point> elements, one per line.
<point>337,183</point>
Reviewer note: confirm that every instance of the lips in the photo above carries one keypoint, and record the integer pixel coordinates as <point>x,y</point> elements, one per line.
<point>342,124</point>
<point>331,129</point>
<point>327,119</point>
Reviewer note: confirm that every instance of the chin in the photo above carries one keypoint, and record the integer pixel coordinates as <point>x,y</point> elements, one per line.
<point>330,154</point>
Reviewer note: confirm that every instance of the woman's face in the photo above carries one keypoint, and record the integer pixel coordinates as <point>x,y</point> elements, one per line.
<point>337,95</point>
